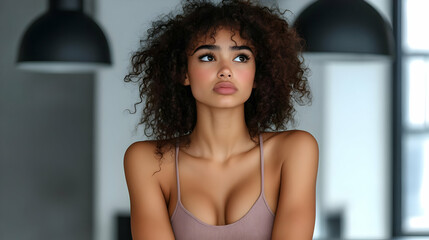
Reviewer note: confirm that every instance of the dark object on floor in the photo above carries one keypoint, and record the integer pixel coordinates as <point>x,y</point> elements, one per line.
<point>123,227</point>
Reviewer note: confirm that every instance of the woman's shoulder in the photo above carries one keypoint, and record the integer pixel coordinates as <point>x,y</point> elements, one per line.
<point>141,149</point>
<point>289,134</point>
<point>140,155</point>
<point>146,148</point>
<point>290,141</point>
<point>144,155</point>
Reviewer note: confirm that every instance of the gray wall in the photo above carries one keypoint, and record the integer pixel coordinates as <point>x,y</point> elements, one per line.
<point>46,125</point>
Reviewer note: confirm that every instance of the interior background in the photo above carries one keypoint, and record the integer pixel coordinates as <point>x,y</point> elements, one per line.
<point>62,137</point>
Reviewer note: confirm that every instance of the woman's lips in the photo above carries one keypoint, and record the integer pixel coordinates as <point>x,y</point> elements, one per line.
<point>225,88</point>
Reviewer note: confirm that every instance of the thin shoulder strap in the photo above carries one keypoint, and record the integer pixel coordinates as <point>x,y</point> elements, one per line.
<point>177,171</point>
<point>262,161</point>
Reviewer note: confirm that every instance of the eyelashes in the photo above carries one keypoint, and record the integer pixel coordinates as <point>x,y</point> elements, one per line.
<point>208,57</point>
<point>243,56</point>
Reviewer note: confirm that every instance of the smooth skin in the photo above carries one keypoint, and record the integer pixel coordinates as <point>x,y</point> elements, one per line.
<point>220,171</point>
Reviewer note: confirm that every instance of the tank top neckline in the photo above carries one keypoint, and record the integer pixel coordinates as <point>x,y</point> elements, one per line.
<point>260,197</point>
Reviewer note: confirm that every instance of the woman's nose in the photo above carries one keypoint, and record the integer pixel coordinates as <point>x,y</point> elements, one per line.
<point>224,73</point>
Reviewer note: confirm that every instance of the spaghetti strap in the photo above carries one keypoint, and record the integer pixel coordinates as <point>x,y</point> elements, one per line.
<point>177,172</point>
<point>262,163</point>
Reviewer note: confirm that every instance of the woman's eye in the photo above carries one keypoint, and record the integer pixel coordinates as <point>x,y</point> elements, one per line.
<point>242,58</point>
<point>206,58</point>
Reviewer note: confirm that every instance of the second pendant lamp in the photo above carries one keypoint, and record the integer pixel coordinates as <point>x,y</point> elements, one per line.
<point>345,28</point>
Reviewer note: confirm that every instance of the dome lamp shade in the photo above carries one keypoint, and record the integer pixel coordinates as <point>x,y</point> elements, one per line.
<point>344,27</point>
<point>63,40</point>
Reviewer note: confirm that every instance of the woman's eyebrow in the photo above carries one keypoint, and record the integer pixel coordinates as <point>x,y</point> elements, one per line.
<point>210,47</point>
<point>216,47</point>
<point>241,47</point>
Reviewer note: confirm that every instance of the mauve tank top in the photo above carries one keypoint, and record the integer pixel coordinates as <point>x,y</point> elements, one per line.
<point>256,224</point>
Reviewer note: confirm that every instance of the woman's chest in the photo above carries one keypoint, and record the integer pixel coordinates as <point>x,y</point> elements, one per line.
<point>220,196</point>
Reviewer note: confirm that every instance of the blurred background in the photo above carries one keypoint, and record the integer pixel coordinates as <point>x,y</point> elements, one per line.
<point>63,136</point>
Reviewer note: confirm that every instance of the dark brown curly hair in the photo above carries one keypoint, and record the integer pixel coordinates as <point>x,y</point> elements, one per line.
<point>160,65</point>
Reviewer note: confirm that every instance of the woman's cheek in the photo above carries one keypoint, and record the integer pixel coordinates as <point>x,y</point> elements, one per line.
<point>248,77</point>
<point>200,84</point>
<point>202,75</point>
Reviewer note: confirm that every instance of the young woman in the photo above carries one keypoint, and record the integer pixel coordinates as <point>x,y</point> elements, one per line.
<point>214,78</point>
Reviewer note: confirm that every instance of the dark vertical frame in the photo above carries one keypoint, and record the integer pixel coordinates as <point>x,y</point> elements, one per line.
<point>396,177</point>
<point>398,129</point>
<point>397,122</point>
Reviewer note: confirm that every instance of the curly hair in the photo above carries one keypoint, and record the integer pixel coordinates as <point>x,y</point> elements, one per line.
<point>160,65</point>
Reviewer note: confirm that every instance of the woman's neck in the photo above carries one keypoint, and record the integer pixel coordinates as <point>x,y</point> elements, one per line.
<point>220,133</point>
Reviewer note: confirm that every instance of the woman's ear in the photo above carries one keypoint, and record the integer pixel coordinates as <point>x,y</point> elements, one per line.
<point>186,82</point>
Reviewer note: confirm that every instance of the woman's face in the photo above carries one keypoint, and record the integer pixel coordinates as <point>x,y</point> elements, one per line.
<point>221,73</point>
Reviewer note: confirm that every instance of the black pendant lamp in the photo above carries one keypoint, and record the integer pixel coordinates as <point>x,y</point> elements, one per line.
<point>345,29</point>
<point>63,40</point>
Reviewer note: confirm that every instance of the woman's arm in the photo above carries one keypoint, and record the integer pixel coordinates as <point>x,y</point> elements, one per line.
<point>296,210</point>
<point>149,214</point>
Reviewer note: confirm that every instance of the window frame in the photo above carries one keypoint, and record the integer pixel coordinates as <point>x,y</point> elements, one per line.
<point>399,130</point>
